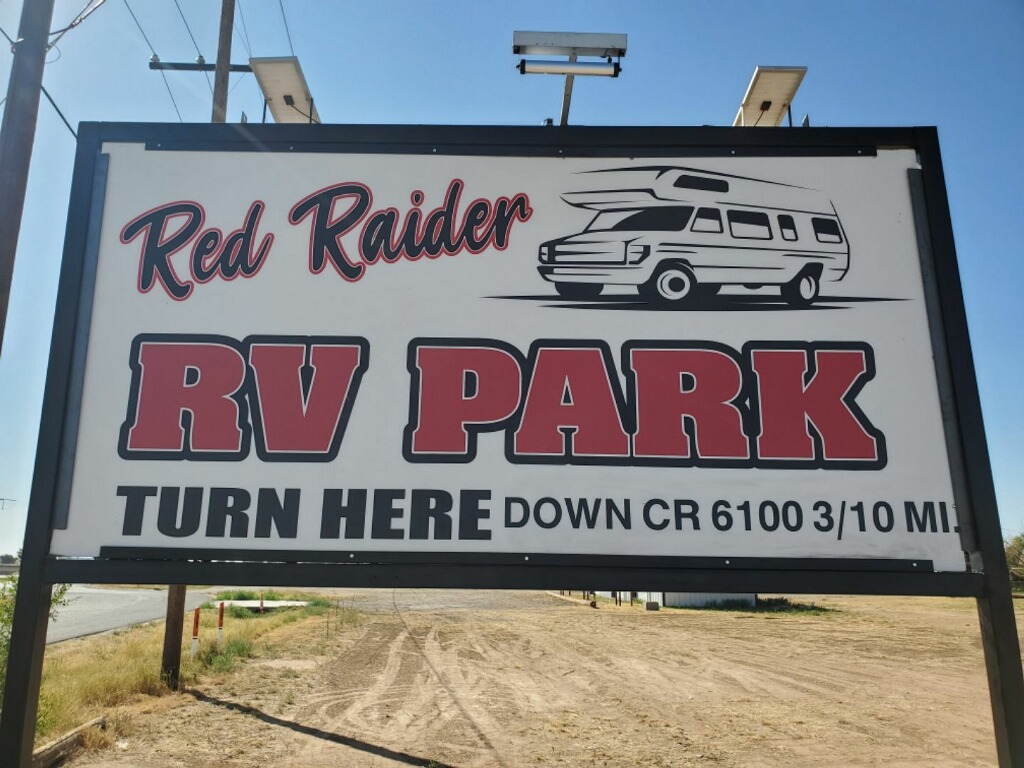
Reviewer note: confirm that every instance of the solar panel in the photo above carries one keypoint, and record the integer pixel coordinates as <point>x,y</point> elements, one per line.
<point>284,87</point>
<point>768,96</point>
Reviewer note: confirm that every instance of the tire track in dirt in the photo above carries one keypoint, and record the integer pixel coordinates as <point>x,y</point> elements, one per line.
<point>397,686</point>
<point>464,690</point>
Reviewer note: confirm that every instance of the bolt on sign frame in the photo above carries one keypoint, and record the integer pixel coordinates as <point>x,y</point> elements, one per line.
<point>507,357</point>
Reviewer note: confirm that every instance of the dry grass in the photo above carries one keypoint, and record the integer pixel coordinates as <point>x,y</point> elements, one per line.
<point>85,678</point>
<point>95,739</point>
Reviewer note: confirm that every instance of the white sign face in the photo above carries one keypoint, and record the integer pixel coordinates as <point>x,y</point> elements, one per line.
<point>393,353</point>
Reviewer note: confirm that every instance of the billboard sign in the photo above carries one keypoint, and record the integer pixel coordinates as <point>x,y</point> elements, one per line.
<point>674,359</point>
<point>379,352</point>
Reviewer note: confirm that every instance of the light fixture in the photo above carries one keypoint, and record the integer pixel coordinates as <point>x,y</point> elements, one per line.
<point>571,45</point>
<point>769,96</point>
<point>284,89</point>
<point>545,67</point>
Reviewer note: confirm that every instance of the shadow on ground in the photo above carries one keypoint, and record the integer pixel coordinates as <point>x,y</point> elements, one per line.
<point>316,733</point>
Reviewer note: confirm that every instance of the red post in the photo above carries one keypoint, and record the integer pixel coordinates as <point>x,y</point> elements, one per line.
<point>220,624</point>
<point>261,602</point>
<point>195,631</point>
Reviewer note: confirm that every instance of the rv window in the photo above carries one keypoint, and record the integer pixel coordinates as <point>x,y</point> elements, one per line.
<point>669,218</point>
<point>707,220</point>
<point>749,225</point>
<point>787,226</point>
<point>685,181</point>
<point>827,230</point>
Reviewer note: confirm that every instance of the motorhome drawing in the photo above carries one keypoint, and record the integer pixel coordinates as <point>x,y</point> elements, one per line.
<point>681,234</point>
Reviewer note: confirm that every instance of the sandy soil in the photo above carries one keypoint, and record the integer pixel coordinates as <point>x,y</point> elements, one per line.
<point>521,679</point>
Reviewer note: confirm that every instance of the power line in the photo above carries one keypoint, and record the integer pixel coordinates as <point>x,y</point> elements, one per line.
<point>246,42</point>
<point>169,93</point>
<point>238,82</point>
<point>141,30</point>
<point>199,53</point>
<point>286,31</point>
<point>187,28</point>
<point>53,104</point>
<point>245,31</point>
<point>46,93</point>
<point>153,51</point>
<point>82,16</point>
<point>241,39</point>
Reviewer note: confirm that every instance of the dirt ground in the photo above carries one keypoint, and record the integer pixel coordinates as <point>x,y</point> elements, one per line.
<point>438,678</point>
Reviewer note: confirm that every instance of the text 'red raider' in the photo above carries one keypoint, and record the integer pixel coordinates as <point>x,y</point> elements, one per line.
<point>177,253</point>
<point>771,404</point>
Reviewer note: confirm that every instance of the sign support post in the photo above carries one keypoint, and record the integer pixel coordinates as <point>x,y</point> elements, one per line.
<point>1002,662</point>
<point>25,666</point>
<point>999,636</point>
<point>32,606</point>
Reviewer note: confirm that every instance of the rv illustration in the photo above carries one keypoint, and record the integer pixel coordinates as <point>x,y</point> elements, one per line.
<point>681,234</point>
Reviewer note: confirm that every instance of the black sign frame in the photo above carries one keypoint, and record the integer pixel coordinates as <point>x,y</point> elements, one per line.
<point>986,578</point>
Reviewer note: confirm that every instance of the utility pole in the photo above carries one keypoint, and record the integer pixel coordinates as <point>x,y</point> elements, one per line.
<point>220,76</point>
<point>17,134</point>
<point>170,666</point>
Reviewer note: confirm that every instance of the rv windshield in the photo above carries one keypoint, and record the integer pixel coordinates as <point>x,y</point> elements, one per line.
<point>668,218</point>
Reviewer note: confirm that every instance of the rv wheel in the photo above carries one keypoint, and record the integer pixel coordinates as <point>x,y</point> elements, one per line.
<point>671,285</point>
<point>579,291</point>
<point>801,290</point>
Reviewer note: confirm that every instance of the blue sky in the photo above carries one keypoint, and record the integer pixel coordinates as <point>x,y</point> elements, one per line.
<point>936,62</point>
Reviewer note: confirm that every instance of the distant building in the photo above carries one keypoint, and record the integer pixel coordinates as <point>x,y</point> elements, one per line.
<point>689,599</point>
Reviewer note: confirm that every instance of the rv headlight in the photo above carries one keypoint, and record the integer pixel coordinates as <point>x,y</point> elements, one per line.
<point>543,253</point>
<point>636,253</point>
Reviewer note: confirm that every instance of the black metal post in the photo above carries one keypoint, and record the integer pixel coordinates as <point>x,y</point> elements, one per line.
<point>31,608</point>
<point>25,665</point>
<point>567,94</point>
<point>995,604</point>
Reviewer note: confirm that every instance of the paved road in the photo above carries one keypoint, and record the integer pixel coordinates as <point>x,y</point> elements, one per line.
<point>96,609</point>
